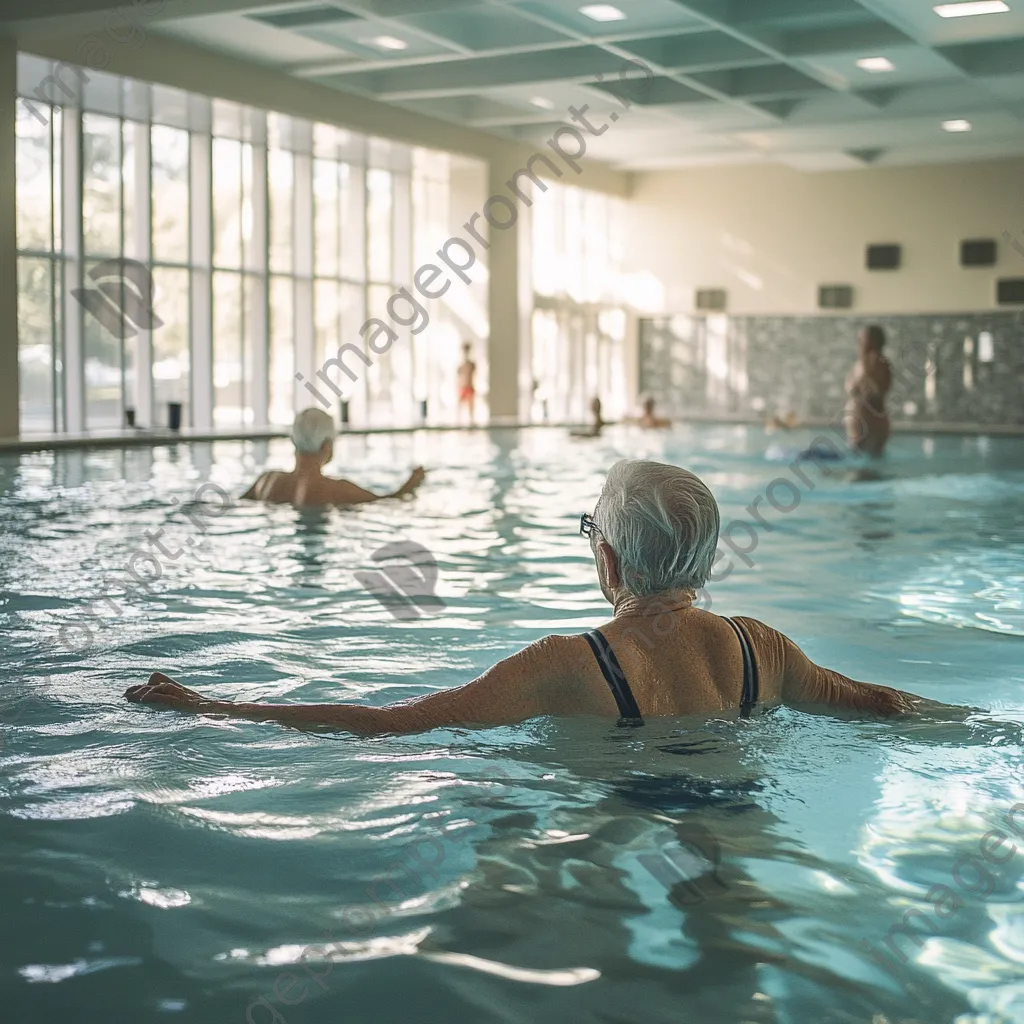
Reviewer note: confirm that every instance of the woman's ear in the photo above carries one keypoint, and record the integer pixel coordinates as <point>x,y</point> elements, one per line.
<point>610,561</point>
<point>326,452</point>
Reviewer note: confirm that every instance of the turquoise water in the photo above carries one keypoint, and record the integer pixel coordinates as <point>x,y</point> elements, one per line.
<point>160,867</point>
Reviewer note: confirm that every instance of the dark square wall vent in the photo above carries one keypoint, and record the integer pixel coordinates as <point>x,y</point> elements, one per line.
<point>835,296</point>
<point>319,15</point>
<point>712,300</point>
<point>884,257</point>
<point>978,252</point>
<point>1010,291</point>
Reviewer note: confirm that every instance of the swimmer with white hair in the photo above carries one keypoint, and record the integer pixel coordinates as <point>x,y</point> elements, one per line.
<point>654,537</point>
<point>313,436</point>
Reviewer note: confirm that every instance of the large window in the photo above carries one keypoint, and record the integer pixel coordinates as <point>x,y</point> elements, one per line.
<point>39,269</point>
<point>178,250</point>
<point>579,319</point>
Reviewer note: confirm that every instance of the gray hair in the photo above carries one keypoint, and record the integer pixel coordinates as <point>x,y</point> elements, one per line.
<point>312,427</point>
<point>662,522</point>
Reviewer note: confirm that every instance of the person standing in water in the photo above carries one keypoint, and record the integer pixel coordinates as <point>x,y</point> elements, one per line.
<point>650,420</point>
<point>466,379</point>
<point>595,429</point>
<point>313,436</point>
<point>868,384</point>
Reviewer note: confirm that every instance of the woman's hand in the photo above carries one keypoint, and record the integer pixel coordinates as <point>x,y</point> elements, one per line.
<point>162,691</point>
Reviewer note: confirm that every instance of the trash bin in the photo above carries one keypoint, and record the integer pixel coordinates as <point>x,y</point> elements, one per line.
<point>174,415</point>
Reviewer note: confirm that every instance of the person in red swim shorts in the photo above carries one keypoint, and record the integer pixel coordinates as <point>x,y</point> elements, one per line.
<point>466,377</point>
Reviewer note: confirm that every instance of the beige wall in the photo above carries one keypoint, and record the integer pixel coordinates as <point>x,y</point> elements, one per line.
<point>771,235</point>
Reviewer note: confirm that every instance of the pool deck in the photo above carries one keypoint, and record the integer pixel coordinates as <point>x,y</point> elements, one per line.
<point>140,437</point>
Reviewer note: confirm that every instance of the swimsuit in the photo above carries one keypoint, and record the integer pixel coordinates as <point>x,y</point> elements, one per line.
<point>616,678</point>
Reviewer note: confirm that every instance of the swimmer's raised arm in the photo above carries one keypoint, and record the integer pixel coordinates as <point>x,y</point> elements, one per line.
<point>344,492</point>
<point>526,685</point>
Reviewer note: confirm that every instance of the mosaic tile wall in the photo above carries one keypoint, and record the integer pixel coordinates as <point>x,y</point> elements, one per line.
<point>966,369</point>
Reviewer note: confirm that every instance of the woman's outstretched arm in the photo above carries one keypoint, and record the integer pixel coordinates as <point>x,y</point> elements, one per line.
<point>526,685</point>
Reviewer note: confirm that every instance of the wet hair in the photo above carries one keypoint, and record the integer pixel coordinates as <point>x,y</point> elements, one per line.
<point>875,335</point>
<point>312,427</point>
<point>662,522</point>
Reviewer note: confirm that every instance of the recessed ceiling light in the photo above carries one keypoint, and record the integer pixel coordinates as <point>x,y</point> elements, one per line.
<point>602,12</point>
<point>390,43</point>
<point>971,8</point>
<point>958,125</point>
<point>876,64</point>
<point>543,102</point>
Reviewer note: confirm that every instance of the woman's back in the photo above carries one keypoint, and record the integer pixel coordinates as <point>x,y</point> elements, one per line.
<point>684,660</point>
<point>676,662</point>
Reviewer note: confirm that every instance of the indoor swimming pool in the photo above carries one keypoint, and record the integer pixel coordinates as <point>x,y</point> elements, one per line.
<point>789,868</point>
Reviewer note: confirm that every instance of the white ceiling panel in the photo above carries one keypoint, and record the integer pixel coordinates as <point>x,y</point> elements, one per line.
<point>737,79</point>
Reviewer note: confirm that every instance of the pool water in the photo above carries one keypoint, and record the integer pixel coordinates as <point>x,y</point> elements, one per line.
<point>162,867</point>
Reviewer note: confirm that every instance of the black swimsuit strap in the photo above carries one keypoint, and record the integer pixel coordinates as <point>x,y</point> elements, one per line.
<point>615,677</point>
<point>751,683</point>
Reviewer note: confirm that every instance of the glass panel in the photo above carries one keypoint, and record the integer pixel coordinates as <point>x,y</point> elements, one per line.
<point>573,247</point>
<point>129,198</point>
<point>170,106</point>
<point>227,349</point>
<point>227,119</point>
<point>170,194</point>
<point>102,343</point>
<point>281,183</point>
<point>170,342</point>
<point>352,303</point>
<point>33,178</point>
<point>326,217</point>
<point>325,309</point>
<point>101,185</point>
<point>129,370</point>
<point>252,257</point>
<point>379,376</point>
<point>252,293</point>
<point>353,223</point>
<point>227,203</point>
<point>35,344</point>
<point>325,140</point>
<point>430,211</point>
<point>595,246</point>
<point>546,259</point>
<point>379,224</point>
<point>282,351</point>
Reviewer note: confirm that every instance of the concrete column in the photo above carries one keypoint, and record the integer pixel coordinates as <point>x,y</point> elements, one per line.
<point>8,244</point>
<point>509,298</point>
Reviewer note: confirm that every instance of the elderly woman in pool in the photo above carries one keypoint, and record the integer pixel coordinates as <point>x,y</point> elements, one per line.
<point>654,536</point>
